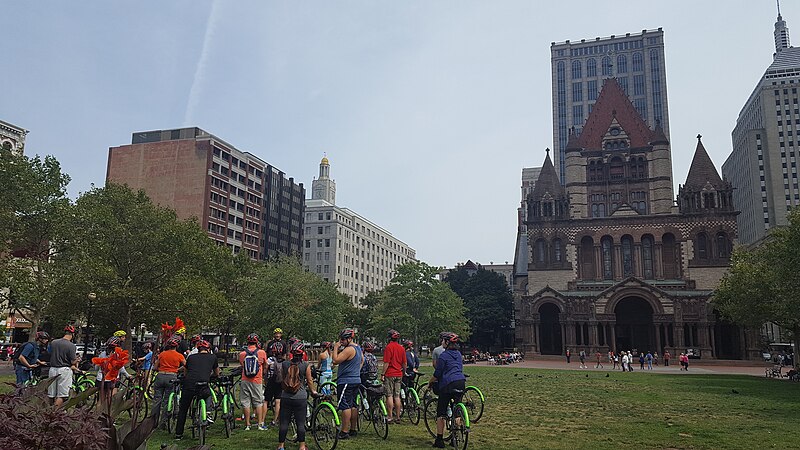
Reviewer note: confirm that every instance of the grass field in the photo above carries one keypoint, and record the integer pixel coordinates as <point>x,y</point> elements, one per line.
<point>553,409</point>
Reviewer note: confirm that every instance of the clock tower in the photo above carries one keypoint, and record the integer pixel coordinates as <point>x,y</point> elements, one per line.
<point>324,188</point>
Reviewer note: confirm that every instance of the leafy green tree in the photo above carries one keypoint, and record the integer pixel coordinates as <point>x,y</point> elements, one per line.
<point>281,293</point>
<point>763,284</point>
<point>144,264</point>
<point>418,305</point>
<point>34,208</point>
<point>489,304</point>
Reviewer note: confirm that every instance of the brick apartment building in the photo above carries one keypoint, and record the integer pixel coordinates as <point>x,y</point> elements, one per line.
<point>242,201</point>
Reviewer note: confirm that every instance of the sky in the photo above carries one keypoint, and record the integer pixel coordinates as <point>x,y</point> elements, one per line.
<point>427,110</point>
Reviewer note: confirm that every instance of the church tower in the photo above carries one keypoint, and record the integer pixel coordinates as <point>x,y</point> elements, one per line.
<point>324,188</point>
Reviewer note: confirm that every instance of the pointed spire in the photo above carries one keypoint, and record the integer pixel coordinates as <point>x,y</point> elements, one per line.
<point>548,180</point>
<point>781,32</point>
<point>702,170</point>
<point>659,138</point>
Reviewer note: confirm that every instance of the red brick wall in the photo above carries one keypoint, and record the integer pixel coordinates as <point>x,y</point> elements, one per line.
<point>172,173</point>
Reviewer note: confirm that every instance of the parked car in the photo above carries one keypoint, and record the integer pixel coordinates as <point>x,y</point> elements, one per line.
<point>90,350</point>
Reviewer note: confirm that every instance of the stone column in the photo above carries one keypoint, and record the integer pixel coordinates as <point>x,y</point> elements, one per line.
<point>619,271</point>
<point>594,336</point>
<point>677,333</point>
<point>713,342</point>
<point>658,263</point>
<point>598,263</point>
<point>657,328</point>
<point>638,267</point>
<point>613,344</point>
<point>535,337</point>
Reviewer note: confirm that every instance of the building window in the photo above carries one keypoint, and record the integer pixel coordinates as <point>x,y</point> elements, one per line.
<point>557,251</point>
<point>608,260</point>
<point>308,243</point>
<point>638,65</point>
<point>577,114</point>
<point>702,246</point>
<point>627,256</point>
<point>638,85</point>
<point>591,68</point>
<point>541,248</point>
<point>622,64</point>
<point>669,258</point>
<point>576,69</point>
<point>723,246</point>
<point>591,89</point>
<point>606,66</point>
<point>647,256</point>
<point>587,258</point>
<point>577,92</point>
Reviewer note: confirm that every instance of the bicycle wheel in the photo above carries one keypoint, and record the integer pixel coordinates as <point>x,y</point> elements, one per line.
<point>236,390</point>
<point>412,407</point>
<point>459,427</point>
<point>429,415</point>
<point>325,426</point>
<point>379,419</point>
<point>193,417</point>
<point>473,400</point>
<point>328,388</point>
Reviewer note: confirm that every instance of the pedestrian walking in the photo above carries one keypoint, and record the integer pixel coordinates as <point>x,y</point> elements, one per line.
<point>667,356</point>
<point>655,358</point>
<point>624,361</point>
<point>641,361</point>
<point>649,359</point>
<point>568,356</point>
<point>599,364</point>
<point>630,361</point>
<point>582,356</point>
<point>616,361</point>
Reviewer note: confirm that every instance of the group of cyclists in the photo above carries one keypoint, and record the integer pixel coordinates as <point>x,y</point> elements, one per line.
<point>275,373</point>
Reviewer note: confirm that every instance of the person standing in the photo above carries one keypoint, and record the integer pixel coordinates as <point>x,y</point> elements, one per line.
<point>199,368</point>
<point>166,366</point>
<point>599,364</point>
<point>655,358</point>
<point>649,360</point>
<point>296,375</point>
<point>349,358</point>
<point>29,358</point>
<point>449,375</point>
<point>630,361</point>
<point>394,366</point>
<point>667,356</point>
<point>251,390</point>
<point>616,361</point>
<point>624,361</point>
<point>568,356</point>
<point>63,360</point>
<point>438,350</point>
<point>325,366</point>
<point>146,362</point>
<point>582,356</point>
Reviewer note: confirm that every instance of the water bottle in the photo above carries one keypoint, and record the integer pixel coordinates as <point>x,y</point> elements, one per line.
<point>366,403</point>
<point>449,412</point>
<point>403,394</point>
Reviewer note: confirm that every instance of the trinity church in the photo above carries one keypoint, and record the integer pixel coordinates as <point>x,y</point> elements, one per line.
<point>614,261</point>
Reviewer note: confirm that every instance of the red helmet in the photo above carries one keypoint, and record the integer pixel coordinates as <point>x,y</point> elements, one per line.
<point>173,342</point>
<point>347,333</point>
<point>42,336</point>
<point>113,342</point>
<point>409,343</point>
<point>393,334</point>
<point>326,345</point>
<point>253,338</point>
<point>69,329</point>
<point>203,344</point>
<point>369,347</point>
<point>298,348</point>
<point>196,338</point>
<point>453,338</point>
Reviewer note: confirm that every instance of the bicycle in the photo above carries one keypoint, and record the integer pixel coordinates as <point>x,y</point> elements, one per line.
<point>473,399</point>
<point>410,398</point>
<point>173,399</point>
<point>457,421</point>
<point>227,406</point>
<point>325,423</point>
<point>199,413</point>
<point>133,390</point>
<point>372,408</point>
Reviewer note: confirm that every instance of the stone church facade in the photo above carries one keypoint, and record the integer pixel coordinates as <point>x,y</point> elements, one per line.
<point>618,262</point>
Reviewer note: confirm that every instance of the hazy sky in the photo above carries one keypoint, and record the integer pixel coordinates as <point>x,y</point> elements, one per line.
<point>428,110</point>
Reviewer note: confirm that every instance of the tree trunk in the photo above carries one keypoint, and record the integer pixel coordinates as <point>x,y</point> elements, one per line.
<point>127,327</point>
<point>34,319</point>
<point>796,338</point>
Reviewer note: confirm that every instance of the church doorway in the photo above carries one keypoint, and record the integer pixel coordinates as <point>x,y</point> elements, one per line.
<point>549,330</point>
<point>726,339</point>
<point>634,328</point>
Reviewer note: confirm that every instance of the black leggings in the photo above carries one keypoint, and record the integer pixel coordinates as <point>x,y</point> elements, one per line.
<point>296,407</point>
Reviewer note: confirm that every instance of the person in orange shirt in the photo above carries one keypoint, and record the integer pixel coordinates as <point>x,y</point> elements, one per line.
<point>251,395</point>
<point>166,366</point>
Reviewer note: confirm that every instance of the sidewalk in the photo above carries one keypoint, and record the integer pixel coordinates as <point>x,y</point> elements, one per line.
<point>756,369</point>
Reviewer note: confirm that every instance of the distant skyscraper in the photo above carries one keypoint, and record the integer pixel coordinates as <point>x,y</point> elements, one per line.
<point>578,71</point>
<point>242,201</point>
<point>763,164</point>
<point>529,177</point>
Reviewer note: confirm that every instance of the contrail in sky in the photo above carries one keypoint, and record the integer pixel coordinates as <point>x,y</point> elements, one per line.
<point>202,63</point>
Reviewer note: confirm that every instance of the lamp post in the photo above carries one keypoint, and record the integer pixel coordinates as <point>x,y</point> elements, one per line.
<point>92,297</point>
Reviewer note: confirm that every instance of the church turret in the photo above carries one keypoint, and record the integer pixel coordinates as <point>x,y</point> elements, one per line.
<point>324,188</point>
<point>704,190</point>
<point>575,168</point>
<point>548,201</point>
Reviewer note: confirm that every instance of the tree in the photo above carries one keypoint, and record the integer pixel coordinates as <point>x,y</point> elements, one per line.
<point>34,208</point>
<point>281,293</point>
<point>763,284</point>
<point>489,304</point>
<point>144,264</point>
<point>418,305</point>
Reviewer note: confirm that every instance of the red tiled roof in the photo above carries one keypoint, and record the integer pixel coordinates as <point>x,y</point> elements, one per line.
<point>612,102</point>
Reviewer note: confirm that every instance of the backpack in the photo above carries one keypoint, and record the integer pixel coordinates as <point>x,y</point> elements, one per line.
<point>291,382</point>
<point>18,352</point>
<point>369,371</point>
<point>251,363</point>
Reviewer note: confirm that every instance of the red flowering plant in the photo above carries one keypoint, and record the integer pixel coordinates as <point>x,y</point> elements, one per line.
<point>112,364</point>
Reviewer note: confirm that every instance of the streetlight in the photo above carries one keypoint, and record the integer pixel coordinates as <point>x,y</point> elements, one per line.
<point>92,297</point>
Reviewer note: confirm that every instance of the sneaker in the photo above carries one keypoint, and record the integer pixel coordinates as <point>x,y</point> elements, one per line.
<point>438,443</point>
<point>247,428</point>
<point>209,420</point>
<point>178,437</point>
<point>343,435</point>
<point>263,428</point>
<point>272,423</point>
<point>353,433</point>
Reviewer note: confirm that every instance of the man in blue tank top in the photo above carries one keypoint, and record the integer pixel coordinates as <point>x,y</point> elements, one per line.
<point>349,358</point>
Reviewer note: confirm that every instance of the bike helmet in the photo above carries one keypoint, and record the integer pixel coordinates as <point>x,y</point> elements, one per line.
<point>453,338</point>
<point>69,329</point>
<point>291,342</point>
<point>203,344</point>
<point>276,348</point>
<point>42,336</point>
<point>120,333</point>
<point>113,342</point>
<point>172,342</point>
<point>326,345</point>
<point>298,348</point>
<point>347,333</point>
<point>196,338</point>
<point>444,335</point>
<point>253,338</point>
<point>277,330</point>
<point>393,334</point>
<point>147,346</point>
<point>409,344</point>
<point>369,347</point>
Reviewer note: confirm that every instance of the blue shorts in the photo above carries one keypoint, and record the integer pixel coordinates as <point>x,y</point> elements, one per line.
<point>347,396</point>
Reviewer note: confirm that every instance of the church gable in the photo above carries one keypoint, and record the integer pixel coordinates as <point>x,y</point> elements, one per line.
<point>614,113</point>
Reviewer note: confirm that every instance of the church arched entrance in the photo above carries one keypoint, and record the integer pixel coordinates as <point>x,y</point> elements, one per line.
<point>549,330</point>
<point>634,329</point>
<point>727,339</point>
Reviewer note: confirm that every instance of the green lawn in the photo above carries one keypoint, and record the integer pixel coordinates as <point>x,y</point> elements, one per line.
<point>536,409</point>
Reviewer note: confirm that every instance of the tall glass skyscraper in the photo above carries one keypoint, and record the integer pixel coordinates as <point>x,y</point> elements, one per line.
<point>579,68</point>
